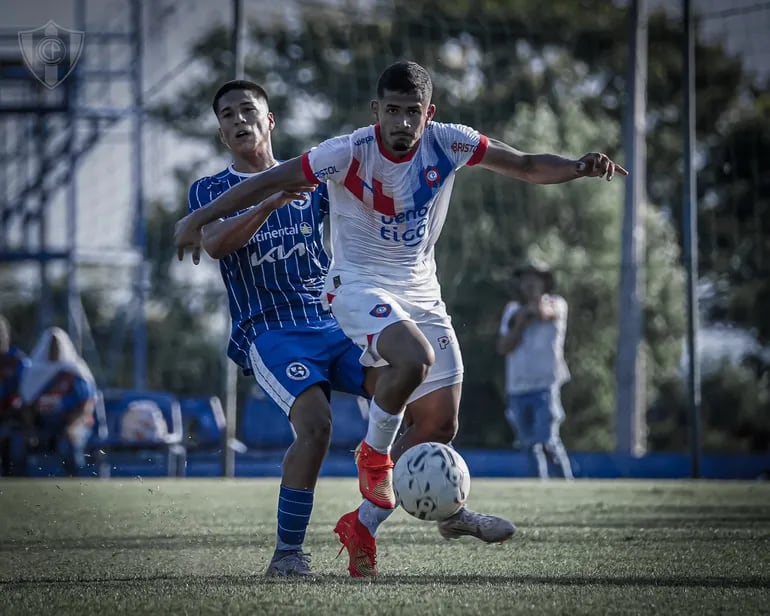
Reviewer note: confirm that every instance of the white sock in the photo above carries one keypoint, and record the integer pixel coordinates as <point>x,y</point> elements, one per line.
<point>383,427</point>
<point>372,516</point>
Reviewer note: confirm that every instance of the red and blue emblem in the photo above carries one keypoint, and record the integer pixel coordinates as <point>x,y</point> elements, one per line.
<point>381,311</point>
<point>432,177</point>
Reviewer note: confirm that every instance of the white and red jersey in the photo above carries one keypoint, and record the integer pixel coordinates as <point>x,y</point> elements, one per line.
<point>387,213</point>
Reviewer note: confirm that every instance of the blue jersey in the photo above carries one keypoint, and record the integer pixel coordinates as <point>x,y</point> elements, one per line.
<point>12,365</point>
<point>276,280</point>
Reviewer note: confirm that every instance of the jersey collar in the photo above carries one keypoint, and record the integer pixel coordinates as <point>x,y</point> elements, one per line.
<point>387,154</point>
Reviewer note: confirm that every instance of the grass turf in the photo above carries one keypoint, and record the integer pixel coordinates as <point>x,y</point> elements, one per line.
<point>201,546</point>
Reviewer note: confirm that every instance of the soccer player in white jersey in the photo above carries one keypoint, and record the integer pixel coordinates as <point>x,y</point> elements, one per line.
<point>389,187</point>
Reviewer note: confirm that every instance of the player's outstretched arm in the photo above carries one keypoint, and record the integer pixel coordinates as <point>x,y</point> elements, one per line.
<point>287,176</point>
<point>546,168</point>
<point>224,237</point>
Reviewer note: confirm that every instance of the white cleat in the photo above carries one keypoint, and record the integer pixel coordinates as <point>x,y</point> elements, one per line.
<point>488,528</point>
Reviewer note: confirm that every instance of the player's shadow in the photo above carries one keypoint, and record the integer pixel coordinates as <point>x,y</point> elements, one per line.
<point>680,581</point>
<point>512,581</point>
<point>137,542</point>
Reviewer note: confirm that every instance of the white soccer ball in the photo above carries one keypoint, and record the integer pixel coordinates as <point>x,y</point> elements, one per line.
<point>431,481</point>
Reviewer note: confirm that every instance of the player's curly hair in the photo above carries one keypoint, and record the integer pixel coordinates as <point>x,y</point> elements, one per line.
<point>406,78</point>
<point>238,84</point>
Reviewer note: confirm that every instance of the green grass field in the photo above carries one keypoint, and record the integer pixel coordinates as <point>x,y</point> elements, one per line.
<point>201,546</point>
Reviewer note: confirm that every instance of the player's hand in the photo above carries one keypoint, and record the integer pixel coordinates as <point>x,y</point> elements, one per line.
<point>281,198</point>
<point>598,165</point>
<point>187,234</point>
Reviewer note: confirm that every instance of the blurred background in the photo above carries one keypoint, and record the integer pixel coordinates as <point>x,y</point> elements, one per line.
<point>94,173</point>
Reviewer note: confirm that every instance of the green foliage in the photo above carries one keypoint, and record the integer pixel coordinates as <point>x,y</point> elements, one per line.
<point>735,410</point>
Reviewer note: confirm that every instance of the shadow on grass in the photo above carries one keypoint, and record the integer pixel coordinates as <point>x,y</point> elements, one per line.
<point>748,582</point>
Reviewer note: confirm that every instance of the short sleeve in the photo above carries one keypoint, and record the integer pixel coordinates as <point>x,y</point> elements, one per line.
<point>465,146</point>
<point>199,195</point>
<point>511,309</point>
<point>329,161</point>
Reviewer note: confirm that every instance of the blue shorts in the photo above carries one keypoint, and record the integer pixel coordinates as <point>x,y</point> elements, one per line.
<point>286,362</point>
<point>535,416</point>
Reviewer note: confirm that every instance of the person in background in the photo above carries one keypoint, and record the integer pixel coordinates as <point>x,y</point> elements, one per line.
<point>58,396</point>
<point>532,332</point>
<point>13,362</point>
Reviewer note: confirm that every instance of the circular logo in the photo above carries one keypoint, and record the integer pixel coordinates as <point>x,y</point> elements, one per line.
<point>297,371</point>
<point>432,176</point>
<point>51,50</point>
<point>301,204</point>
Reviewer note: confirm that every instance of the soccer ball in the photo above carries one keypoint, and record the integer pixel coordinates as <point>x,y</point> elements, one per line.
<point>431,481</point>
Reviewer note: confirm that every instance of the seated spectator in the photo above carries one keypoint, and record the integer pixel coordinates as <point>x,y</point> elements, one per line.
<point>13,362</point>
<point>58,393</point>
<point>143,422</point>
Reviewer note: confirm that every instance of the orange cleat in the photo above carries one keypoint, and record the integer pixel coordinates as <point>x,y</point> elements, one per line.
<point>362,550</point>
<point>375,476</point>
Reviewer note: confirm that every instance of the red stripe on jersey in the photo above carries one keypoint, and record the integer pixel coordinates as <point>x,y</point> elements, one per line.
<point>329,298</point>
<point>382,203</point>
<point>354,183</point>
<point>309,175</point>
<point>481,149</point>
<point>369,338</point>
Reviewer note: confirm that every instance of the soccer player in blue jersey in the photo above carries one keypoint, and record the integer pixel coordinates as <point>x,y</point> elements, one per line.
<point>273,264</point>
<point>390,184</point>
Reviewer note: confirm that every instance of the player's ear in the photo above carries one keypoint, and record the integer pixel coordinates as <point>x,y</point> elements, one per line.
<point>375,108</point>
<point>222,138</point>
<point>431,111</point>
<point>270,120</point>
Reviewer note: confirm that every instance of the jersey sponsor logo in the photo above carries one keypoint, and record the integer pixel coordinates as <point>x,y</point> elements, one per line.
<point>297,371</point>
<point>407,227</point>
<point>274,234</point>
<point>381,311</point>
<point>364,140</point>
<point>322,173</point>
<point>278,253</point>
<point>459,146</point>
<point>444,341</point>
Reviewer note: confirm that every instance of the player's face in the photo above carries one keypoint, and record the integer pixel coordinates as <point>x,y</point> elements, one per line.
<point>402,118</point>
<point>532,286</point>
<point>244,121</point>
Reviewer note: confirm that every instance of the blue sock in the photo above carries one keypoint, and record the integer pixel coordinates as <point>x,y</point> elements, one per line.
<point>294,509</point>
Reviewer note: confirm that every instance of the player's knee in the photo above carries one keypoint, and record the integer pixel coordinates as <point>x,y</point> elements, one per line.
<point>311,418</point>
<point>437,429</point>
<point>315,429</point>
<point>410,373</point>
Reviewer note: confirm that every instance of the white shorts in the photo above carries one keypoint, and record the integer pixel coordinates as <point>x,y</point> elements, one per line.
<point>364,311</point>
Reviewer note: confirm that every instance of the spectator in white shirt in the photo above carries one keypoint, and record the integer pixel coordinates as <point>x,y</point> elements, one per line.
<point>532,333</point>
